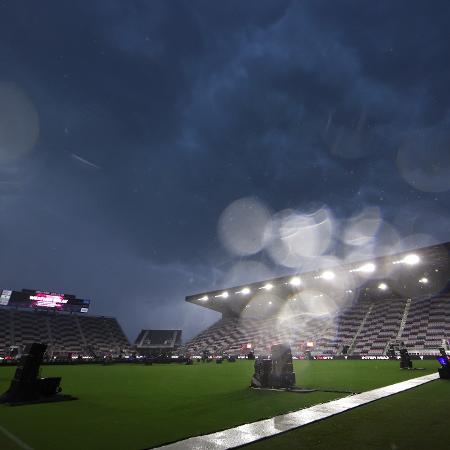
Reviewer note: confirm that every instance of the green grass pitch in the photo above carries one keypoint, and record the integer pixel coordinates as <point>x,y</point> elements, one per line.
<point>132,407</point>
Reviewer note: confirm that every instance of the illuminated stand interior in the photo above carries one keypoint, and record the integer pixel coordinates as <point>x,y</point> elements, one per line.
<point>422,273</point>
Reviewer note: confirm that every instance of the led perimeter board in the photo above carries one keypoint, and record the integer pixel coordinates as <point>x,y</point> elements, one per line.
<point>43,300</point>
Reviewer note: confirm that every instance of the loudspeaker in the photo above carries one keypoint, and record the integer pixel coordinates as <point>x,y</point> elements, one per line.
<point>49,386</point>
<point>391,352</point>
<point>277,372</point>
<point>263,370</point>
<point>28,368</point>
<point>283,375</point>
<point>444,372</point>
<point>405,359</point>
<point>26,386</point>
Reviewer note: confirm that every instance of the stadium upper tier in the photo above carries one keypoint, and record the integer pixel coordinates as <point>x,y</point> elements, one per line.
<point>365,328</point>
<point>328,290</point>
<point>355,309</point>
<point>64,333</point>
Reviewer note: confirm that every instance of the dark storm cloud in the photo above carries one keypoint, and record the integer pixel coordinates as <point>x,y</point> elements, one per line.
<point>183,107</point>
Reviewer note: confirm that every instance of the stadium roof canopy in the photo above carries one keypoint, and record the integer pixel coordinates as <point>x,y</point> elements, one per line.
<point>415,273</point>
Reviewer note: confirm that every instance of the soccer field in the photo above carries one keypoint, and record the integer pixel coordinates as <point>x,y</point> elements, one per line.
<point>134,407</point>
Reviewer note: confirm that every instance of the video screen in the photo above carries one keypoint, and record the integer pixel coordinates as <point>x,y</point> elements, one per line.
<point>43,300</point>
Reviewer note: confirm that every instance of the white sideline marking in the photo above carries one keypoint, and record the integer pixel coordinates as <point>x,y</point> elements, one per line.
<point>15,439</point>
<point>251,432</point>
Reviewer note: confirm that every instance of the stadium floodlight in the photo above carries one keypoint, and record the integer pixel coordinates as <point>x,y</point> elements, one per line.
<point>267,287</point>
<point>270,303</point>
<point>328,275</point>
<point>382,286</point>
<point>367,268</point>
<point>295,281</point>
<point>224,294</point>
<point>244,291</point>
<point>423,280</point>
<point>204,298</point>
<point>411,259</point>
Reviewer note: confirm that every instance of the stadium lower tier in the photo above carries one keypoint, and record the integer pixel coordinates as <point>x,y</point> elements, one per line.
<point>366,328</point>
<point>64,333</point>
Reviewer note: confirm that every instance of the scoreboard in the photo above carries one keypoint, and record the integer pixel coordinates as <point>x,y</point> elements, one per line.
<point>43,300</point>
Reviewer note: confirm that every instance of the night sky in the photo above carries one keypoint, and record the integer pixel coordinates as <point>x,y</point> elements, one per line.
<point>155,149</point>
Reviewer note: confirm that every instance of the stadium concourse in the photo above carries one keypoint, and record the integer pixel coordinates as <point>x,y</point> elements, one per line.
<point>353,310</point>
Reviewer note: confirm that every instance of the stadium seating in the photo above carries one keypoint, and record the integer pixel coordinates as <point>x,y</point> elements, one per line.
<point>64,333</point>
<point>365,328</point>
<point>232,334</point>
<point>428,323</point>
<point>382,326</point>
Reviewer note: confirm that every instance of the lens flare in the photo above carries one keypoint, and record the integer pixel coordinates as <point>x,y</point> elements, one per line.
<point>328,275</point>
<point>19,123</point>
<point>297,237</point>
<point>424,160</point>
<point>361,229</point>
<point>243,225</point>
<point>411,259</point>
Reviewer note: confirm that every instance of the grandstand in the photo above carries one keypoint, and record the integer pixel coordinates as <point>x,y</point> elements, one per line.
<point>355,309</point>
<point>64,333</point>
<point>157,341</point>
<point>351,311</point>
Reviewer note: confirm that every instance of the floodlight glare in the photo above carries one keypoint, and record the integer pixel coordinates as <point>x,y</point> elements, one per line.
<point>295,281</point>
<point>423,280</point>
<point>411,259</point>
<point>224,294</point>
<point>246,291</point>
<point>382,286</point>
<point>328,275</point>
<point>267,287</point>
<point>204,298</point>
<point>367,268</point>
